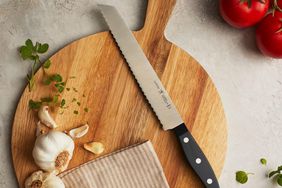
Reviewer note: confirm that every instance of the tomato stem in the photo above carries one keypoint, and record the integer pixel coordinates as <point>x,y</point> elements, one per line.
<point>275,7</point>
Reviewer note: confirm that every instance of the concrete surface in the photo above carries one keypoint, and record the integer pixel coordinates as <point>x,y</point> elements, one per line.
<point>250,84</point>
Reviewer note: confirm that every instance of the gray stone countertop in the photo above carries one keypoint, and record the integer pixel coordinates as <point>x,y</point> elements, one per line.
<point>249,84</point>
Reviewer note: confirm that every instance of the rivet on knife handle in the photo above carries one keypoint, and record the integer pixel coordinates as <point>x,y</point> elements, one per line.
<point>196,157</point>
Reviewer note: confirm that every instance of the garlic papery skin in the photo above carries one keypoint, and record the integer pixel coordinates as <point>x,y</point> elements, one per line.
<point>53,151</point>
<point>45,117</point>
<point>79,131</point>
<point>40,179</point>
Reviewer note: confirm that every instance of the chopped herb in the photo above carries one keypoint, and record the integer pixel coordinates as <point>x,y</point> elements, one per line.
<point>263,161</point>
<point>68,89</point>
<point>60,89</point>
<point>85,109</point>
<point>75,112</point>
<point>74,99</point>
<point>72,77</point>
<point>78,103</point>
<point>56,78</point>
<point>63,102</point>
<point>34,104</point>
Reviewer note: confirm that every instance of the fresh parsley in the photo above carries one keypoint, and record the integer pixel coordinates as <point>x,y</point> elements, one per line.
<point>279,179</point>
<point>275,172</point>
<point>57,79</point>
<point>242,176</point>
<point>31,52</point>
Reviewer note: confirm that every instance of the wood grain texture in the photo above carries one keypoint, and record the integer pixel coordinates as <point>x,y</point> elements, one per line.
<point>119,115</point>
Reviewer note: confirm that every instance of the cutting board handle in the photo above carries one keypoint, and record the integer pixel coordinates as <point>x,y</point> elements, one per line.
<point>157,16</point>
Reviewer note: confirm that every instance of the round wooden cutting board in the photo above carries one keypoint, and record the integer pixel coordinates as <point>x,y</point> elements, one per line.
<point>118,114</point>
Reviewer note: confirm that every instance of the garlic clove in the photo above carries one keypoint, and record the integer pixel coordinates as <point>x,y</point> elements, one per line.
<point>53,151</point>
<point>79,131</point>
<point>45,117</point>
<point>53,181</point>
<point>39,179</point>
<point>94,147</point>
<point>35,180</point>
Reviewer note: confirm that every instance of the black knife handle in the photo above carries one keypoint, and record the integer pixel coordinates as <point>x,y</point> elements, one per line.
<point>196,157</point>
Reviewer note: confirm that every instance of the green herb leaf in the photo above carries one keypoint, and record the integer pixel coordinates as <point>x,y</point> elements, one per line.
<point>47,64</point>
<point>75,112</point>
<point>241,177</point>
<point>279,168</point>
<point>34,104</point>
<point>60,88</point>
<point>85,109</point>
<point>272,173</point>
<point>63,102</point>
<point>34,57</point>
<point>56,78</point>
<point>279,180</point>
<point>263,161</point>
<point>25,52</point>
<point>29,44</point>
<point>42,48</point>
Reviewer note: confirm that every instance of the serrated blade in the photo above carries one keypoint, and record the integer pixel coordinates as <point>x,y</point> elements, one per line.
<point>144,73</point>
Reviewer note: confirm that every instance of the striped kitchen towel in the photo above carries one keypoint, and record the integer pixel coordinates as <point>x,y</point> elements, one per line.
<point>136,166</point>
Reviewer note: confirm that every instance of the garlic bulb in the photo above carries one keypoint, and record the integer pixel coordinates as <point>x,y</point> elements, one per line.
<point>94,147</point>
<point>46,118</point>
<point>79,131</point>
<point>39,179</point>
<point>53,151</point>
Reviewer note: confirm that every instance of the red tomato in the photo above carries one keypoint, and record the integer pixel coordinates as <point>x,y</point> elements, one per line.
<point>243,13</point>
<point>269,35</point>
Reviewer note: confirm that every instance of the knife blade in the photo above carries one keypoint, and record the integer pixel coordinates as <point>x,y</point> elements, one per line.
<point>157,95</point>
